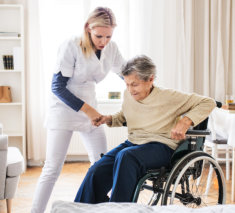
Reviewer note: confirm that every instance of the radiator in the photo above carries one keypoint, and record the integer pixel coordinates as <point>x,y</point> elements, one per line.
<point>114,136</point>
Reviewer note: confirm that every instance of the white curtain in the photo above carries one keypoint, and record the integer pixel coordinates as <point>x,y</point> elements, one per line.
<point>191,42</point>
<point>35,85</point>
<point>199,41</point>
<point>215,52</point>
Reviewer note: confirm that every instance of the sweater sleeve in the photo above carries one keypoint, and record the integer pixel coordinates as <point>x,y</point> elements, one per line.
<point>118,120</point>
<point>199,109</point>
<point>58,86</point>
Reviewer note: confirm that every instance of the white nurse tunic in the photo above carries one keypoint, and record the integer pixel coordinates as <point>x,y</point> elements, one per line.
<point>83,74</point>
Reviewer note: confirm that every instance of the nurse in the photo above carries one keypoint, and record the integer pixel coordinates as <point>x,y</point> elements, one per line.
<point>82,62</point>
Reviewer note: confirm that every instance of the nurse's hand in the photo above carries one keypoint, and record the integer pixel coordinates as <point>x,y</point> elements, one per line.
<point>90,112</point>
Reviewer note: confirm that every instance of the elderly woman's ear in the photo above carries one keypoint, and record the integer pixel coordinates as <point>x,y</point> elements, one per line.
<point>151,79</point>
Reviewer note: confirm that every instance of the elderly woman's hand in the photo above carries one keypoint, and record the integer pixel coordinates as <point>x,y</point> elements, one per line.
<point>102,119</point>
<point>178,132</point>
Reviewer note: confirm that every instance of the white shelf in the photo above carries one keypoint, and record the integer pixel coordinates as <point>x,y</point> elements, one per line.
<point>11,104</point>
<point>10,71</point>
<point>11,6</point>
<point>10,38</point>
<point>13,115</point>
<point>13,134</point>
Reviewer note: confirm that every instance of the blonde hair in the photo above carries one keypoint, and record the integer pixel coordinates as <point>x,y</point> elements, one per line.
<point>100,17</point>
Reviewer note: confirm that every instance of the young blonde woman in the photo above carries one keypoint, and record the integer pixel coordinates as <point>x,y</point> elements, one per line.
<point>82,62</point>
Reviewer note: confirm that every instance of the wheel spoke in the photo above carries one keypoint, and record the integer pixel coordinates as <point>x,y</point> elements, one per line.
<point>188,186</point>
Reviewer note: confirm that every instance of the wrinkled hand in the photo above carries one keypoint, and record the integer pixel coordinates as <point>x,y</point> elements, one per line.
<point>101,120</point>
<point>178,132</point>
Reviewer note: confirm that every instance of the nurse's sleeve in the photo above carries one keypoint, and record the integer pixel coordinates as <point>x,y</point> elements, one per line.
<point>66,57</point>
<point>58,87</point>
<point>118,61</point>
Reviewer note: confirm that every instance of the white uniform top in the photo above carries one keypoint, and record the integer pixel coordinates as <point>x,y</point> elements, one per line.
<point>84,73</point>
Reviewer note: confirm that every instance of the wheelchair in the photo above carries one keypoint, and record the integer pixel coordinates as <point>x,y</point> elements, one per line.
<point>185,181</point>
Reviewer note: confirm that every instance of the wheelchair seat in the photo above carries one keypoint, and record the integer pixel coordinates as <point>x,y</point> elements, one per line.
<point>185,181</point>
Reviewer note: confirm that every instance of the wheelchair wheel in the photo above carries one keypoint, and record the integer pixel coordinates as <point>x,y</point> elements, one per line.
<point>187,182</point>
<point>146,192</point>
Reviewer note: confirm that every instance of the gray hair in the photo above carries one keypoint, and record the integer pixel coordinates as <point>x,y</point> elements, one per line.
<point>142,66</point>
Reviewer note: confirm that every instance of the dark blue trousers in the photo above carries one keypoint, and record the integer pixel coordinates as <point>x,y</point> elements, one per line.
<point>119,170</point>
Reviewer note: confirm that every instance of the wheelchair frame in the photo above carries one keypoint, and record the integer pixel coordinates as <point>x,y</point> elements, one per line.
<point>188,166</point>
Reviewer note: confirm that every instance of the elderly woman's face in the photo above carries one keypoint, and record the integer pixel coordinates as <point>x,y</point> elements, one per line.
<point>138,88</point>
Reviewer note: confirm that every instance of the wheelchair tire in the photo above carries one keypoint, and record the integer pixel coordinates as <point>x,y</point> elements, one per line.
<point>187,183</point>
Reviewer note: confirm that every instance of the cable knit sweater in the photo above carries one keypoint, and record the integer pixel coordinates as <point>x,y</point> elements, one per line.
<point>153,118</point>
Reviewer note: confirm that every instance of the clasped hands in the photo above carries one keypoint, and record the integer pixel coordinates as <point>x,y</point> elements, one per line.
<point>96,118</point>
<point>101,120</point>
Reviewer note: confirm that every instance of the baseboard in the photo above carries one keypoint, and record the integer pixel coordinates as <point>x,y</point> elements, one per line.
<point>69,158</point>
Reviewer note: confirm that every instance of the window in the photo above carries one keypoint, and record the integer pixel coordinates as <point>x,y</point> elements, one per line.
<point>138,31</point>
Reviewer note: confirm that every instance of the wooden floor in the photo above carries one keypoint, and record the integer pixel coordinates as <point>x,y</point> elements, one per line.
<point>65,188</point>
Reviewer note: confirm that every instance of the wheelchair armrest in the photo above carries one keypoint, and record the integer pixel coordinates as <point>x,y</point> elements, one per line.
<point>197,133</point>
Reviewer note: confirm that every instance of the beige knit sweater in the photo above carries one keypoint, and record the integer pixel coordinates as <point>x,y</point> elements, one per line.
<point>153,118</point>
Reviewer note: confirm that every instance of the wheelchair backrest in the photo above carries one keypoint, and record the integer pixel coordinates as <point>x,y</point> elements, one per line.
<point>202,125</point>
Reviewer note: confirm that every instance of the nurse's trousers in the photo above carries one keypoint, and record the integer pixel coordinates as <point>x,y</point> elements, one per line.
<point>57,145</point>
<point>120,169</point>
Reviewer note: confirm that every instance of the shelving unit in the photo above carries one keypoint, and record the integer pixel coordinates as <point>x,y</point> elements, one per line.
<point>12,115</point>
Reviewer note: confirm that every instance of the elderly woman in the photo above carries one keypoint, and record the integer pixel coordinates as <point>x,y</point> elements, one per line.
<point>157,119</point>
